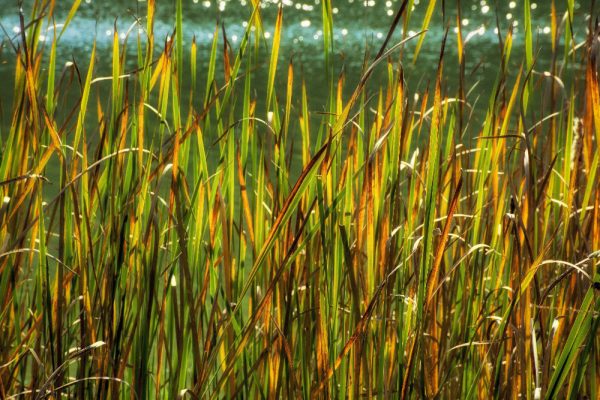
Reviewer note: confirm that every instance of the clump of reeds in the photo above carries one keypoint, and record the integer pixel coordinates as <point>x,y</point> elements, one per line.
<point>179,250</point>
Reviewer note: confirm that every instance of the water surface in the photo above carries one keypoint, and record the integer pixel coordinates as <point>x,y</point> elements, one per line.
<point>358,26</point>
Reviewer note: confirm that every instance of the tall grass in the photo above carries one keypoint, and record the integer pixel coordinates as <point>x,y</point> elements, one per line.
<point>180,249</point>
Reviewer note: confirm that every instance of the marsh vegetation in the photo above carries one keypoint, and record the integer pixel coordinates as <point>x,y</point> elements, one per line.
<point>224,218</point>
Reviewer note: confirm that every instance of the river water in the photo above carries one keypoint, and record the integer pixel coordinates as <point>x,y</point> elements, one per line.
<point>358,25</point>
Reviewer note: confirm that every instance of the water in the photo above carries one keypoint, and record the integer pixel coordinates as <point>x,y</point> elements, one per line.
<point>358,25</point>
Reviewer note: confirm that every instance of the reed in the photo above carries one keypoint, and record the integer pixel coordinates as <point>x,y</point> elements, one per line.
<point>235,243</point>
